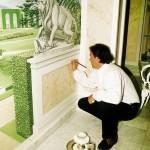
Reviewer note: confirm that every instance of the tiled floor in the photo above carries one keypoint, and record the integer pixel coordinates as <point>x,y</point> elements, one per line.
<point>133,135</point>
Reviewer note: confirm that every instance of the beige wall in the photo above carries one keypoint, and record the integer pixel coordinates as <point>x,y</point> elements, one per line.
<point>99,22</point>
<point>57,86</point>
<point>133,30</point>
<point>99,18</point>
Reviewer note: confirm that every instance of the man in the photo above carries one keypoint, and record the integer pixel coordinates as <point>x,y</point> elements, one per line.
<point>113,97</point>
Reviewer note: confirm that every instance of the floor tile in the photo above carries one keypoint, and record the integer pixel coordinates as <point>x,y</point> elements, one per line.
<point>147,139</point>
<point>131,134</point>
<point>139,122</point>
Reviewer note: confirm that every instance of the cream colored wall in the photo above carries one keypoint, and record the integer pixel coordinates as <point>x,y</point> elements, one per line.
<point>133,31</point>
<point>99,18</point>
<point>98,25</point>
<point>57,86</point>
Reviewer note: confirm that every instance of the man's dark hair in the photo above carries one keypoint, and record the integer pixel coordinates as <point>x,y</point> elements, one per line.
<point>102,52</point>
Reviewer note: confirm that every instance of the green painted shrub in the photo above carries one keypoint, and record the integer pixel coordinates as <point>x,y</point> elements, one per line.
<point>21,77</point>
<point>15,35</point>
<point>1,52</point>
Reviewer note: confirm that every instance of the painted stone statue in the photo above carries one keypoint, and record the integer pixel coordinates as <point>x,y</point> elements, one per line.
<point>56,21</point>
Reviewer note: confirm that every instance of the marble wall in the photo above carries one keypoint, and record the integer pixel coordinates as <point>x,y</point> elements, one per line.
<point>57,85</point>
<point>98,24</point>
<point>99,17</point>
<point>133,30</point>
<point>99,27</point>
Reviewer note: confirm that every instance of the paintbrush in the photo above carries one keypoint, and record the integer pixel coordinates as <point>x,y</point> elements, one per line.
<point>81,64</point>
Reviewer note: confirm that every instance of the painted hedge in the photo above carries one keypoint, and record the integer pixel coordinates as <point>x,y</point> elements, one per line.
<point>21,76</point>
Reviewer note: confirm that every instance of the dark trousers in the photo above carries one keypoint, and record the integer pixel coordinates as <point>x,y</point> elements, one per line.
<point>109,114</point>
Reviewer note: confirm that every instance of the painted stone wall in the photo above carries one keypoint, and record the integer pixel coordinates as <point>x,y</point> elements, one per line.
<point>57,86</point>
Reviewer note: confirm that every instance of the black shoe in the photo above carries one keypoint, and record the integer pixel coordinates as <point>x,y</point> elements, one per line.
<point>106,144</point>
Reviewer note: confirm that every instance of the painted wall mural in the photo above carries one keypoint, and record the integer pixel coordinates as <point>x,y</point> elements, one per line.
<point>10,18</point>
<point>22,24</point>
<point>60,20</point>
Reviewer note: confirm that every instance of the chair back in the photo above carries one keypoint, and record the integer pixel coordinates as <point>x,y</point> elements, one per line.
<point>145,75</point>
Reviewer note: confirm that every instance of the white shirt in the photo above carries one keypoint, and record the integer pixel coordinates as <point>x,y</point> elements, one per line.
<point>110,83</point>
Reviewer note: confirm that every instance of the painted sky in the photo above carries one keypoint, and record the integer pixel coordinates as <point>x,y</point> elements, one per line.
<point>11,3</point>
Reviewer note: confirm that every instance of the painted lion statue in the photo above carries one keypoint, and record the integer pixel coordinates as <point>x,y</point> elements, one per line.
<point>53,17</point>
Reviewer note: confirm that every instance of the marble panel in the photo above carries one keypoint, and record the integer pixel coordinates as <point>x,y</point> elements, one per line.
<point>133,30</point>
<point>98,25</point>
<point>57,86</point>
<point>99,21</point>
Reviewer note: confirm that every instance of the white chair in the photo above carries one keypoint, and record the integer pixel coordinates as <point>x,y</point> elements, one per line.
<point>145,74</point>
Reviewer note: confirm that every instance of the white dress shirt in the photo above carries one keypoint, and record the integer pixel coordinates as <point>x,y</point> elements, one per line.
<point>109,83</point>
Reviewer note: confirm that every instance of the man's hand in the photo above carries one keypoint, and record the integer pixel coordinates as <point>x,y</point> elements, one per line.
<point>91,99</point>
<point>74,64</point>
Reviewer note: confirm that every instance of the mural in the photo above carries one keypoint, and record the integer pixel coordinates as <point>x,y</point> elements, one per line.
<point>26,26</point>
<point>59,26</point>
<point>10,18</point>
<point>59,21</point>
<point>47,24</point>
<point>17,35</point>
<point>30,14</point>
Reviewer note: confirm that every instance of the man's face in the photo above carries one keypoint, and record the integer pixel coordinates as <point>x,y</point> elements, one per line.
<point>95,61</point>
